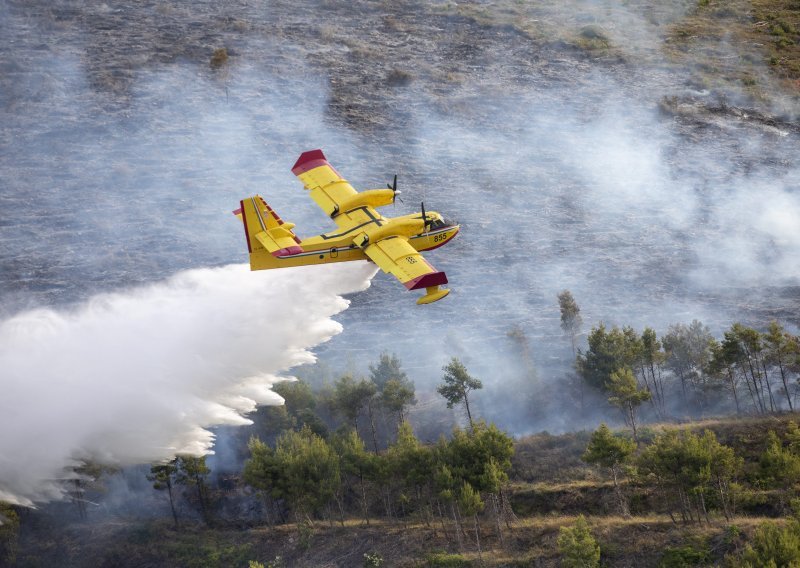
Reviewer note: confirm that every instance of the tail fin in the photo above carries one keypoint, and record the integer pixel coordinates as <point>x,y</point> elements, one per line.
<point>265,230</point>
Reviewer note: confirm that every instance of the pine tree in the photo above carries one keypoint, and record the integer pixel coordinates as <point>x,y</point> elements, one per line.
<point>570,317</point>
<point>577,546</point>
<point>457,384</point>
<point>162,476</point>
<point>351,397</point>
<point>192,470</point>
<point>612,452</point>
<point>626,395</point>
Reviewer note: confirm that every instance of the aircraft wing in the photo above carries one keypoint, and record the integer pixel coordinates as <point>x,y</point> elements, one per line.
<point>327,187</point>
<point>396,256</point>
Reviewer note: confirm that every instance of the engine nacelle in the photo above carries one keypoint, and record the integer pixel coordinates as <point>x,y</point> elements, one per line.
<point>368,198</point>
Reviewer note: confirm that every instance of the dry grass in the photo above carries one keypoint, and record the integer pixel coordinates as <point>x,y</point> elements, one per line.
<point>740,44</point>
<point>219,58</point>
<point>732,47</point>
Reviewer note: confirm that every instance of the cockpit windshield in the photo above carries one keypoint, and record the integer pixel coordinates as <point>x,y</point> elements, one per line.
<point>442,222</point>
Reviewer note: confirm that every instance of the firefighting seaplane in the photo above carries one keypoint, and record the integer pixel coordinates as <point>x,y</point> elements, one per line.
<point>393,243</point>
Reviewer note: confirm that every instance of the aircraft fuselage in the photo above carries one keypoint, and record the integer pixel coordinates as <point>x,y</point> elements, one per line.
<point>339,245</point>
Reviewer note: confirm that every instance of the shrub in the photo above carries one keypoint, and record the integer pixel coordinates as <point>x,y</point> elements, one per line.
<point>684,557</point>
<point>577,546</point>
<point>773,546</point>
<point>445,560</point>
<point>219,58</point>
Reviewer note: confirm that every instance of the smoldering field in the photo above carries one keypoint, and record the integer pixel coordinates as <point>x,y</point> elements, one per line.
<point>124,151</point>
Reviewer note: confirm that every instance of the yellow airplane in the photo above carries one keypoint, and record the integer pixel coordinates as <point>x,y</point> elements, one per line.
<point>362,234</point>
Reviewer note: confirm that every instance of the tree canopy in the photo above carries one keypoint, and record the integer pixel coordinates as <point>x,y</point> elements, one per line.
<point>456,385</point>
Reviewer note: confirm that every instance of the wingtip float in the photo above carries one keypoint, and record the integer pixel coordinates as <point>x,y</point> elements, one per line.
<point>393,243</point>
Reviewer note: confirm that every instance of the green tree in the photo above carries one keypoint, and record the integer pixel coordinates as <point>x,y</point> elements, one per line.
<point>309,471</point>
<point>356,463</point>
<point>467,455</point>
<point>300,406</point>
<point>721,365</point>
<point>351,397</point>
<point>262,471</point>
<point>163,476</point>
<point>193,471</point>
<point>723,466</point>
<point>782,349</point>
<point>396,396</point>
<point>296,395</point>
<point>687,466</point>
<point>446,486</point>
<point>745,345</point>
<point>387,369</point>
<point>779,465</point>
<point>412,464</point>
<point>652,361</point>
<point>457,384</point>
<point>688,350</point>
<point>773,547</point>
<point>480,457</point>
<point>612,452</point>
<point>608,351</point>
<point>577,546</point>
<point>9,535</point>
<point>470,503</point>
<point>626,395</point>
<point>303,469</point>
<point>570,317</point>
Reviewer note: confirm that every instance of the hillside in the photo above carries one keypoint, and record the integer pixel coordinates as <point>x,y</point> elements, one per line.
<point>548,487</point>
<point>640,155</point>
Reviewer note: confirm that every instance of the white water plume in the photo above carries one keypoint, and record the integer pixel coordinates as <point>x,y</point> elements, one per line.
<point>137,376</point>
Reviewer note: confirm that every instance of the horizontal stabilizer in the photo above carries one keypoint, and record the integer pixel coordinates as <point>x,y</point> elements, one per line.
<point>265,229</point>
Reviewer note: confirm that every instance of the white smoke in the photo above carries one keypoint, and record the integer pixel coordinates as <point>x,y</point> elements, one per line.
<point>137,377</point>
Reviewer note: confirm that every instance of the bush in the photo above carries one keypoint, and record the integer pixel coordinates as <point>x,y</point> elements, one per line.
<point>684,557</point>
<point>9,534</point>
<point>219,58</point>
<point>577,546</point>
<point>773,546</point>
<point>445,560</point>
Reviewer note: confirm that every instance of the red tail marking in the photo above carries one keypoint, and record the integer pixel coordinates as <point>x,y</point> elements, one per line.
<point>246,232</point>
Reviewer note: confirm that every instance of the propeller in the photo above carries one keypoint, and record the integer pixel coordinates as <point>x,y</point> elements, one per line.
<point>425,221</point>
<point>393,187</point>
